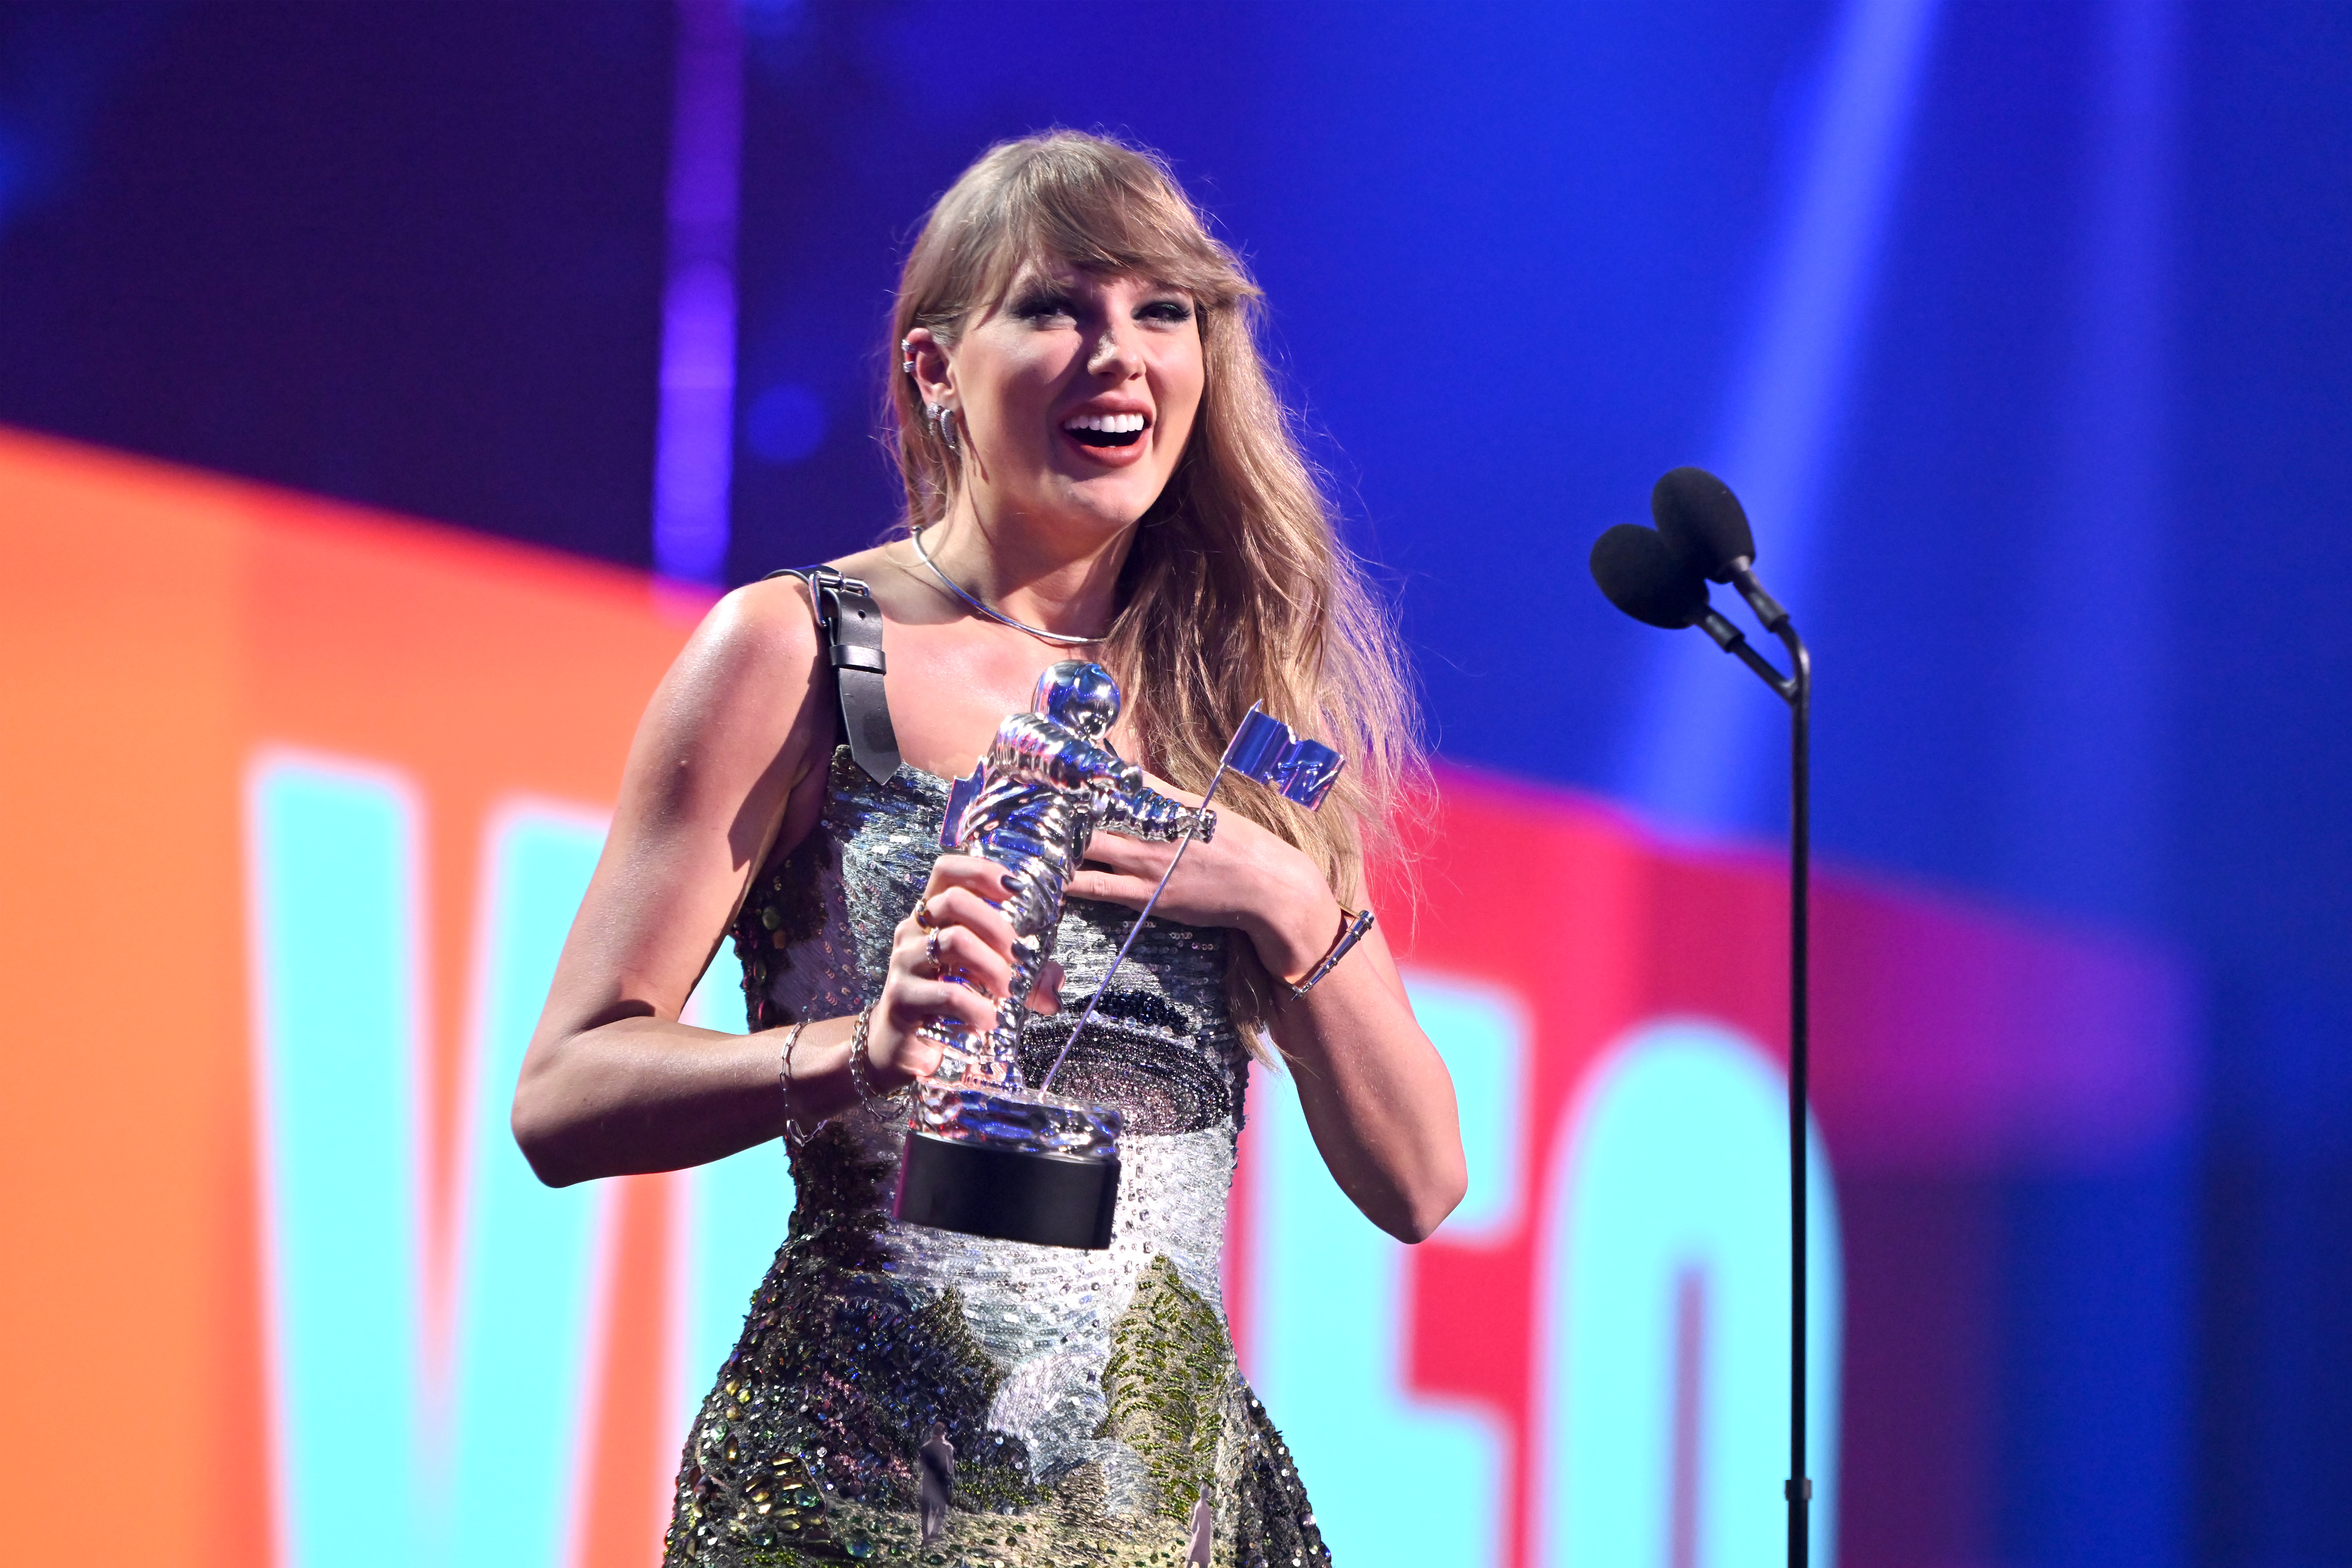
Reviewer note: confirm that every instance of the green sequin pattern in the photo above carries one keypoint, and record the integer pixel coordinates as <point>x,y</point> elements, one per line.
<point>1091,1398</point>
<point>1170,1365</point>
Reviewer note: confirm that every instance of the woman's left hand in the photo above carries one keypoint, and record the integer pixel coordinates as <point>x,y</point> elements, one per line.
<point>1245,878</point>
<point>1382,1105</point>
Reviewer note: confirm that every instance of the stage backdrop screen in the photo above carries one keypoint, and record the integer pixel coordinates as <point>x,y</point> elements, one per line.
<point>298,807</point>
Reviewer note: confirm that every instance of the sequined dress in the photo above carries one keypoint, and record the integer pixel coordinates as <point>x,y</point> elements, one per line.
<point>1091,1399</point>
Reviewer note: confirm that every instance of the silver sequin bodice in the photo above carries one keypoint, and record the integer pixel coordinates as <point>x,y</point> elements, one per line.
<point>1092,1395</point>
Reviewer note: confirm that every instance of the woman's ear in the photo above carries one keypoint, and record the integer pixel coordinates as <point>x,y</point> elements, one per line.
<point>928,361</point>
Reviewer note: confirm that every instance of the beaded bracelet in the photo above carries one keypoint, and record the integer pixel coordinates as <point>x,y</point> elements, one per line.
<point>1352,927</point>
<point>794,1134</point>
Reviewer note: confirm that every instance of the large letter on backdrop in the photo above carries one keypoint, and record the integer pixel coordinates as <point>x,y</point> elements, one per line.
<point>523,1400</point>
<point>368,1475</point>
<point>1665,1406</point>
<point>334,902</point>
<point>1396,1478</point>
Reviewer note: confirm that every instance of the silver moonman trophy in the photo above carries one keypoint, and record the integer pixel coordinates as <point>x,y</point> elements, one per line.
<point>985,1155</point>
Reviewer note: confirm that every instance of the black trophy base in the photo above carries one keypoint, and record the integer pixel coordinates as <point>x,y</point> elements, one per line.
<point>1011,1194</point>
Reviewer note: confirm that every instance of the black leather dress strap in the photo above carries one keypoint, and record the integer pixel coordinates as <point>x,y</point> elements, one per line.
<point>851,625</point>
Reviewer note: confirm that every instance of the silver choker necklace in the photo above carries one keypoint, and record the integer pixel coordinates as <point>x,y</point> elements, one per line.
<point>982,606</point>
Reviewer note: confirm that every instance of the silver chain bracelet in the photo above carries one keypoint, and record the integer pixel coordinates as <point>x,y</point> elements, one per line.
<point>859,1078</point>
<point>794,1134</point>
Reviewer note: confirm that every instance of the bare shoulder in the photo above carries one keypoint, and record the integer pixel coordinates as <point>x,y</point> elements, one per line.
<point>740,698</point>
<point>764,632</point>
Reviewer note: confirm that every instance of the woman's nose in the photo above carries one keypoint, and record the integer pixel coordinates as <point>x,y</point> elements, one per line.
<point>1113,354</point>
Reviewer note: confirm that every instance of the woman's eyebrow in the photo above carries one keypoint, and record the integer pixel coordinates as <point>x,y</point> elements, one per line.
<point>1031,288</point>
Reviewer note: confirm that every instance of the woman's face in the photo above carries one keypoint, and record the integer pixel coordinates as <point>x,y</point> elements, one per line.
<point>1074,397</point>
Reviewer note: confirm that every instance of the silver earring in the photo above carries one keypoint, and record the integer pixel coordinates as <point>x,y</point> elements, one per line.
<point>944,417</point>
<point>907,347</point>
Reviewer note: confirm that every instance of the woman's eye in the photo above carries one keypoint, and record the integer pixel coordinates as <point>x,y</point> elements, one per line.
<point>1166,312</point>
<point>1045,307</point>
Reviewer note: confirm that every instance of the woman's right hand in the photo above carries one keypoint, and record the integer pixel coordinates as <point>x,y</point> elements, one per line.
<point>974,941</point>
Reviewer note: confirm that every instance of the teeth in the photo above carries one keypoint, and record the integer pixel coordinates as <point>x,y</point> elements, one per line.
<point>1107,424</point>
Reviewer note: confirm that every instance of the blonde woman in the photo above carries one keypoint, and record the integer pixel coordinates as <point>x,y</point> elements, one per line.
<point>1095,468</point>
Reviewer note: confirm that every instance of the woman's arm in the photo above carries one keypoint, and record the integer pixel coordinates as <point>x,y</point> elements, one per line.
<point>613,1083</point>
<point>727,764</point>
<point>1377,1095</point>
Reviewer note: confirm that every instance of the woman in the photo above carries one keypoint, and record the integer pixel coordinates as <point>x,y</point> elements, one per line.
<point>1095,468</point>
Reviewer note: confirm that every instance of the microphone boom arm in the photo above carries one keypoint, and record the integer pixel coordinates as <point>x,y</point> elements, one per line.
<point>1732,640</point>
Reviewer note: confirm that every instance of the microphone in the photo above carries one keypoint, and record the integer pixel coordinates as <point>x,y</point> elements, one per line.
<point>1645,575</point>
<point>1702,521</point>
<point>1660,576</point>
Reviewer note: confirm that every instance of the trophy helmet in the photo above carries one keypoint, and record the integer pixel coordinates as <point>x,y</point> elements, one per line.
<point>1079,693</point>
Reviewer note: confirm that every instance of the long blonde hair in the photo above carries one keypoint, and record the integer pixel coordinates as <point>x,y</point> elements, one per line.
<point>1237,587</point>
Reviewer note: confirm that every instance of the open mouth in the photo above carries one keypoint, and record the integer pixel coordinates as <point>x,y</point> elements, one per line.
<point>1107,429</point>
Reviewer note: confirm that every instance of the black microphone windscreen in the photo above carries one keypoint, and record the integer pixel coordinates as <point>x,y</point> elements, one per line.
<point>1702,519</point>
<point>1644,577</point>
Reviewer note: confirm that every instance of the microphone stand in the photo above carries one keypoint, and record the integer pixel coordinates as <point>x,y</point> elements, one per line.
<point>1797,690</point>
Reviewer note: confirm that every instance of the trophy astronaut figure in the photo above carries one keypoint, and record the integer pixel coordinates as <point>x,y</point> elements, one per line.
<point>1049,782</point>
<point>985,1155</point>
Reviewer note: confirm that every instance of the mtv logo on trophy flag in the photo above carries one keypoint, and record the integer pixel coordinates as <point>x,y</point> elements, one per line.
<point>1267,750</point>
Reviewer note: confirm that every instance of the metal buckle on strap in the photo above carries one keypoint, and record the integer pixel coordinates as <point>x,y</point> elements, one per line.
<point>825,586</point>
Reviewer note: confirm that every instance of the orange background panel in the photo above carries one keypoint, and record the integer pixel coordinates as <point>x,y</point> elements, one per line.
<point>127,1226</point>
<point>156,627</point>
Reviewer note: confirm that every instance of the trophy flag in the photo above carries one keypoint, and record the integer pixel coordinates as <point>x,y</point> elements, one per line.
<point>1262,749</point>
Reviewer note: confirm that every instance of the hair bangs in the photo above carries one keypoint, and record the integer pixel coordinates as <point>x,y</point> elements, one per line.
<point>1102,208</point>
